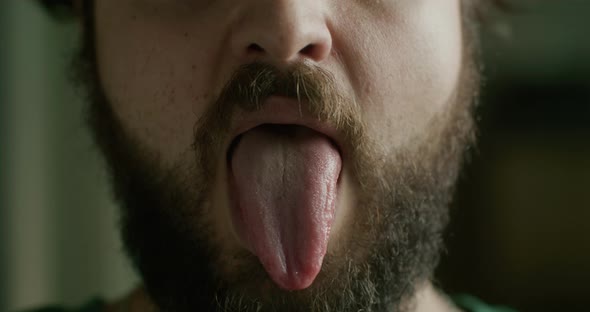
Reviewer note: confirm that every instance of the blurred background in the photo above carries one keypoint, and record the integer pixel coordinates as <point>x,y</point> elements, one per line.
<point>519,234</point>
<point>58,242</point>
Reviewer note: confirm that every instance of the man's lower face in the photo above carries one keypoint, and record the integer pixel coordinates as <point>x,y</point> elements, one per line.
<point>321,217</point>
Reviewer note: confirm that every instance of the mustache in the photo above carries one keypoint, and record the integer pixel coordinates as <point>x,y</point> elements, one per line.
<point>314,88</point>
<point>253,83</point>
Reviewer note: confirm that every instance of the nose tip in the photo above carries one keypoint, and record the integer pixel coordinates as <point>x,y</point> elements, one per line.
<point>293,31</point>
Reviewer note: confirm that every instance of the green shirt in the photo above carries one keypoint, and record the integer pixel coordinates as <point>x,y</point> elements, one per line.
<point>465,302</point>
<point>471,304</point>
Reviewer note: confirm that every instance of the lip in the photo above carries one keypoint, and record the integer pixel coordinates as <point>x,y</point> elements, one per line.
<point>278,110</point>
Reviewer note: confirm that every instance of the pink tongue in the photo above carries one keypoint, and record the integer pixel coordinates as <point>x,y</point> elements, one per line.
<point>285,183</point>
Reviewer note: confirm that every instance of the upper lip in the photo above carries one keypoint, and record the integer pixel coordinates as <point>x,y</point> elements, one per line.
<point>283,111</point>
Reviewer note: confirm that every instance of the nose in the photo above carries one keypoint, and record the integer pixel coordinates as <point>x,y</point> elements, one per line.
<point>282,31</point>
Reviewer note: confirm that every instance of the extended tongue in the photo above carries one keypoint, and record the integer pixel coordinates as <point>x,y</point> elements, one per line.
<point>285,180</point>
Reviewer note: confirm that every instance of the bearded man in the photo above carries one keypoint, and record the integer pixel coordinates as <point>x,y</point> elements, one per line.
<point>281,155</point>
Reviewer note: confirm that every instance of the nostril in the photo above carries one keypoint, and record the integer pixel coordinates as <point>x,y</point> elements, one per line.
<point>308,50</point>
<point>255,48</point>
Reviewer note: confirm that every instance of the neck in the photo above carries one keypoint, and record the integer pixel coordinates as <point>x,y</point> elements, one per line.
<point>427,299</point>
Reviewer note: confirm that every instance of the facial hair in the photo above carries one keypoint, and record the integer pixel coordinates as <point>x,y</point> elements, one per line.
<point>391,248</point>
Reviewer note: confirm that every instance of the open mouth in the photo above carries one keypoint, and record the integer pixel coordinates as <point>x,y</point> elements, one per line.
<point>283,184</point>
<point>288,130</point>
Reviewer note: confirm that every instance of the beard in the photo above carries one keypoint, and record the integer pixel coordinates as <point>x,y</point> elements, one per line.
<point>390,249</point>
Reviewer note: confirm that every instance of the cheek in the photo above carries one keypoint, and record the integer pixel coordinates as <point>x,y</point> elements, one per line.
<point>153,76</point>
<point>413,71</point>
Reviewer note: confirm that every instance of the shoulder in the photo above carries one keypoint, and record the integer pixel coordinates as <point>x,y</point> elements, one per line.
<point>95,305</point>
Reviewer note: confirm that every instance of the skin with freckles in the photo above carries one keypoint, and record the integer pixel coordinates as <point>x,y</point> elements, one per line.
<point>175,85</point>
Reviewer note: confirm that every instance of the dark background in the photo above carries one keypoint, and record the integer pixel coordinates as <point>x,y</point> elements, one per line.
<point>520,223</point>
